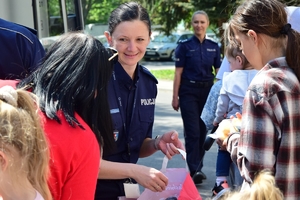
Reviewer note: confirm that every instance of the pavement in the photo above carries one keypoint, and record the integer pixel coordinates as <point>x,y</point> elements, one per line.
<point>167,120</point>
<point>165,85</point>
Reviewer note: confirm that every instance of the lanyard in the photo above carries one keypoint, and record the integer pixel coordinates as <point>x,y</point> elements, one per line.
<point>119,99</point>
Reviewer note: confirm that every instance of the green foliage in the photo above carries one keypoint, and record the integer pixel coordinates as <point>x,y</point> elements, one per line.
<point>168,13</point>
<point>164,74</point>
<point>98,11</point>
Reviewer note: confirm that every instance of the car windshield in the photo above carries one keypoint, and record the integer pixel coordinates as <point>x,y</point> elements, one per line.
<point>165,39</point>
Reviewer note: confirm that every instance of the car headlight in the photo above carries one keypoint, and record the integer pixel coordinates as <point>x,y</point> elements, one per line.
<point>164,48</point>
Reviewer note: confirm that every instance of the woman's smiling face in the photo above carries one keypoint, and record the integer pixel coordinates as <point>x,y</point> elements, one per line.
<point>130,39</point>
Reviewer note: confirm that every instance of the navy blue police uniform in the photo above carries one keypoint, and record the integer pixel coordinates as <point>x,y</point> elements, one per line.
<point>132,104</point>
<point>197,60</point>
<point>20,52</point>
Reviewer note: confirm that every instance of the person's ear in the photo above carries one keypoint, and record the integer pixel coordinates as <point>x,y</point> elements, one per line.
<point>239,59</point>
<point>252,34</point>
<point>3,161</point>
<point>108,38</point>
<point>149,37</point>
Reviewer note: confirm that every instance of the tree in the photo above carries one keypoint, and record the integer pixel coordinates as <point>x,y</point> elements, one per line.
<point>170,13</point>
<point>98,11</point>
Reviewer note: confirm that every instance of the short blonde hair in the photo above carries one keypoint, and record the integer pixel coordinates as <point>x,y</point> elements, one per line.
<point>263,188</point>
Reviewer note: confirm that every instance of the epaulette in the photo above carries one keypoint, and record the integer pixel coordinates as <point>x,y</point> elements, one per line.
<point>185,40</point>
<point>146,71</point>
<point>210,40</point>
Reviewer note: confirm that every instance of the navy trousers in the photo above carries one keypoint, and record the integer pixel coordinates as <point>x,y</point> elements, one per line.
<point>191,100</point>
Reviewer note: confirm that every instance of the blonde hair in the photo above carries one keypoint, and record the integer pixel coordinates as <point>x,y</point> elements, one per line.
<point>20,128</point>
<point>200,12</point>
<point>263,188</point>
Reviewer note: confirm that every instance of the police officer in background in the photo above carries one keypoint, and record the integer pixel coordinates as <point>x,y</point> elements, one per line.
<point>193,79</point>
<point>20,52</point>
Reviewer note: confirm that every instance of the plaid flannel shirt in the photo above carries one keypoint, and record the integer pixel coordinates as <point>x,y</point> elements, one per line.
<point>270,132</point>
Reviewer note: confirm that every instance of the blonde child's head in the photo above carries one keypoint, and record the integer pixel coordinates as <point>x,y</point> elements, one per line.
<point>23,147</point>
<point>263,188</point>
<point>236,58</point>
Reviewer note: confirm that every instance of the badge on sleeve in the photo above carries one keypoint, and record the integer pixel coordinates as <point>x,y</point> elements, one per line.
<point>116,135</point>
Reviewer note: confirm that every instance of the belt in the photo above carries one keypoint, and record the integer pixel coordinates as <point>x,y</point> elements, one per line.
<point>196,83</point>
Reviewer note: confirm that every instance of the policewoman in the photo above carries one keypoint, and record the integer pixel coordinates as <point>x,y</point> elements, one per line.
<point>132,92</point>
<point>195,59</point>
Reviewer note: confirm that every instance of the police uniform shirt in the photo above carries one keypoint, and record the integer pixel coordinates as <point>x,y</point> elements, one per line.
<point>20,52</point>
<point>197,59</point>
<point>132,105</point>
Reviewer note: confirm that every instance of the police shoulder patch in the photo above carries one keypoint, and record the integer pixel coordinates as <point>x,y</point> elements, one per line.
<point>146,71</point>
<point>183,41</point>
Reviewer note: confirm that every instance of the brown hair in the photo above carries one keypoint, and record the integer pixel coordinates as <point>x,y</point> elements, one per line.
<point>268,17</point>
<point>233,51</point>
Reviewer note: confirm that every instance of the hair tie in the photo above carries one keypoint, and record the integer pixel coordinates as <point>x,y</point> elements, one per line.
<point>113,53</point>
<point>9,95</point>
<point>286,28</point>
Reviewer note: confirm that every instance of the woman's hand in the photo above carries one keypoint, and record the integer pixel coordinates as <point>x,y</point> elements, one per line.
<point>150,178</point>
<point>175,104</point>
<point>168,144</point>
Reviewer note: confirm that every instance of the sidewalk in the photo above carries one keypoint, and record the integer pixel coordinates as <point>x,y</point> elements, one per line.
<point>165,85</point>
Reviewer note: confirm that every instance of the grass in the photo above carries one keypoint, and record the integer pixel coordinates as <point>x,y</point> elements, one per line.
<point>164,74</point>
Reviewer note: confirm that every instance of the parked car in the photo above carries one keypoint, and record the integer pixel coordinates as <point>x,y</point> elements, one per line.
<point>163,46</point>
<point>102,39</point>
<point>213,37</point>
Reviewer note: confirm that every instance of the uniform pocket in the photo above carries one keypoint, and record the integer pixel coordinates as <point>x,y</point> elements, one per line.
<point>190,53</point>
<point>146,115</point>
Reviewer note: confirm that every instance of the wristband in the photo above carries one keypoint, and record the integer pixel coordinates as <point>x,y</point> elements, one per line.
<point>156,141</point>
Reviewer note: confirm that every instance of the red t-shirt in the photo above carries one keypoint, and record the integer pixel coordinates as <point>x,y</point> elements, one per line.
<point>75,159</point>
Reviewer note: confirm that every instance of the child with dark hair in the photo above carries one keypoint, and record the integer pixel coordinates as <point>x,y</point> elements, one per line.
<point>230,101</point>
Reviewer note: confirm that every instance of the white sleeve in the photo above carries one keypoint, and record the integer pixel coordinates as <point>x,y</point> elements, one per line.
<point>225,67</point>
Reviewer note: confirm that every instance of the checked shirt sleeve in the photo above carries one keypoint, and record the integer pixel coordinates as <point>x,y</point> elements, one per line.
<point>258,136</point>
